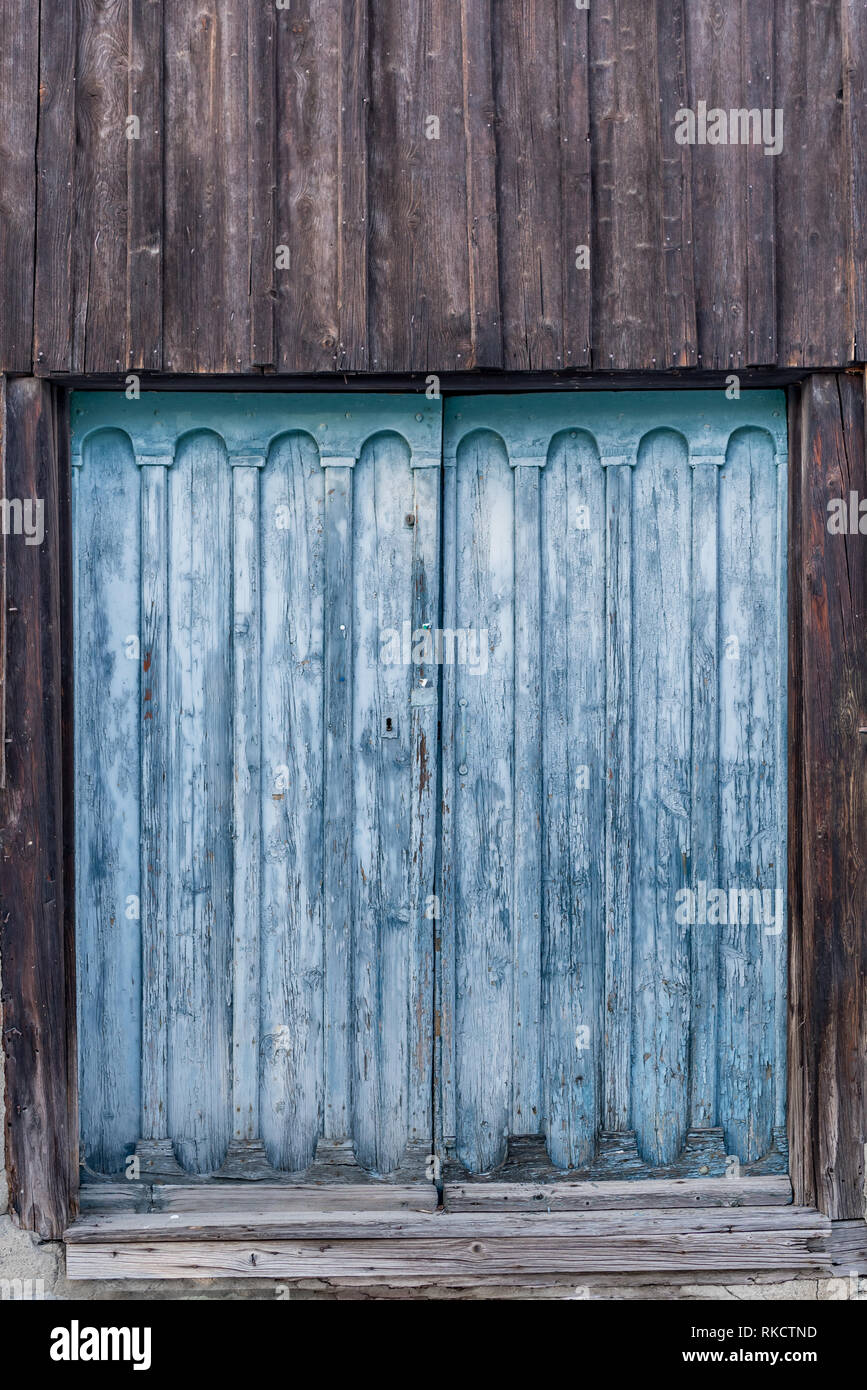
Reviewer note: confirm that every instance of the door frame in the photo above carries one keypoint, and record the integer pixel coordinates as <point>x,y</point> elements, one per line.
<point>827,821</point>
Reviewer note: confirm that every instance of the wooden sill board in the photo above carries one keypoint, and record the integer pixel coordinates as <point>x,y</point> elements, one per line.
<point>610,1195</point>
<point>256,1196</point>
<point>293,1245</point>
<point>615,1195</point>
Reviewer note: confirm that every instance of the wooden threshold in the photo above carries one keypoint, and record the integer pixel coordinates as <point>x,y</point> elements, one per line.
<point>295,1244</point>
<point>241,1197</point>
<point>615,1195</point>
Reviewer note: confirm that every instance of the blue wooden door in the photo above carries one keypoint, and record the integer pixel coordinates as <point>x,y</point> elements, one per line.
<point>612,981</point>
<point>256,784</point>
<point>430,778</point>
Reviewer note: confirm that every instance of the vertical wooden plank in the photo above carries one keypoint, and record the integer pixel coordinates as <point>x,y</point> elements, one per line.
<point>814,289</point>
<point>526,1066</point>
<point>715,68</point>
<point>425,788</point>
<point>417,190</point>
<point>382,796</point>
<point>68,1156</point>
<point>144,182</point>
<point>481,184</point>
<point>292,786</point>
<point>828,1017</point>
<point>55,189</point>
<point>200,802</point>
<point>484,805</point>
<point>207,270</point>
<point>3,619</point>
<point>156,716</point>
<point>394,777</point>
<point>678,349</point>
<point>575,180</point>
<point>799,1142</point>
<point>445,1060</point>
<point>102,150</point>
<point>352,216</point>
<point>573,796</point>
<point>35,940</point>
<point>618,803</point>
<point>263,107</point>
<point>19,97</point>
<point>757,93</point>
<point>246,1148</point>
<point>108,668</point>
<point>526,71</point>
<point>628,260</point>
<point>338,792</point>
<point>307,185</point>
<point>854,23</point>
<point>704,801</point>
<point>659,848</point>
<point>749,589</point>
<point>781,789</point>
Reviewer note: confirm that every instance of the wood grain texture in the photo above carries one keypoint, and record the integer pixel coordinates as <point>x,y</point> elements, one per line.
<point>613,1195</point>
<point>200,784</point>
<point>154,740</point>
<point>144,182</point>
<point>447,1245</point>
<point>660,985</point>
<point>293,582</point>
<point>102,150</point>
<point>240,968</point>
<point>110,719</point>
<point>638,1224</point>
<point>828,1016</point>
<point>247,809</point>
<point>749,831</point>
<point>659,626</point>
<point>531,268</point>
<point>306,129</point>
<point>36,923</point>
<point>56,263</point>
<point>416,204</point>
<point>573,796</point>
<point>307,173</point>
<point>206,273</point>
<point>627,269</point>
<point>19,102</point>
<point>854,22</point>
<point>815,272</point>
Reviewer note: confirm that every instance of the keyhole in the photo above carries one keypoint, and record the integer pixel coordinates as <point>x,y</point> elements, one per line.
<point>388,725</point>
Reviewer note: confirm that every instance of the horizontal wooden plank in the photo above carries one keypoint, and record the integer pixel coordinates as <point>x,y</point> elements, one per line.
<point>848,1246</point>
<point>301,1197</point>
<point>614,1195</point>
<point>124,1228</point>
<point>257,1196</point>
<point>513,1256</point>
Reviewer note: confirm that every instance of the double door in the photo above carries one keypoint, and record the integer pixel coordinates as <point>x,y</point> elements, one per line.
<point>430,770</point>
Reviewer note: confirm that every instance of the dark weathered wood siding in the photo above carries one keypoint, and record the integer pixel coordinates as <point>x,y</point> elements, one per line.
<point>305,128</point>
<point>36,929</point>
<point>827,802</point>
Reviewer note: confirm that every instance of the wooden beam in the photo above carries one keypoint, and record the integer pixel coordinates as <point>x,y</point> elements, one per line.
<point>257,1197</point>
<point>613,1195</point>
<point>320,1245</point>
<point>36,941</point>
<point>827,1115</point>
<point>130,1228</point>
